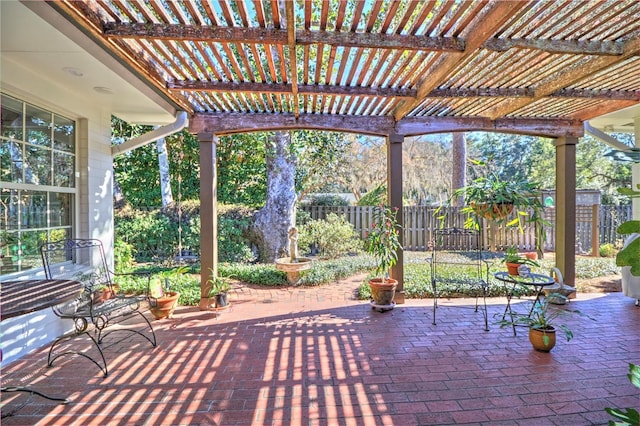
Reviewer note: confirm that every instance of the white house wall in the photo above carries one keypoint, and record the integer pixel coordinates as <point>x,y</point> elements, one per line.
<point>94,206</point>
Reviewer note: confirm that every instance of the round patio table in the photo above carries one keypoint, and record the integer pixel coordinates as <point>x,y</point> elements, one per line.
<point>536,281</point>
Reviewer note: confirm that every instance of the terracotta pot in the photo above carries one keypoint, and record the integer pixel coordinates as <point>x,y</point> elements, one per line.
<point>542,340</point>
<point>512,268</point>
<point>163,307</point>
<point>383,292</point>
<point>531,255</point>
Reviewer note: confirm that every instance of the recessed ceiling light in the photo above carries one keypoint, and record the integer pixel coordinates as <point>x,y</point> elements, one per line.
<point>103,90</point>
<point>73,71</point>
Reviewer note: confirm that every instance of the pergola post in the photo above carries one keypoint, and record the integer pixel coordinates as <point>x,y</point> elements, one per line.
<point>635,172</point>
<point>394,197</point>
<point>566,207</point>
<point>208,215</point>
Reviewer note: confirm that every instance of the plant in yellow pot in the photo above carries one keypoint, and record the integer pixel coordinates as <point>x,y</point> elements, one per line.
<point>383,243</point>
<point>542,324</point>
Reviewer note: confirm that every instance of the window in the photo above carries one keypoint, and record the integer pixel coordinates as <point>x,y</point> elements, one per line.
<point>37,182</point>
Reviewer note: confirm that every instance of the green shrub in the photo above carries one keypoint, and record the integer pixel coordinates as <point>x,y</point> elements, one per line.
<point>152,234</point>
<point>327,200</point>
<point>232,245</point>
<point>375,197</point>
<point>262,274</point>
<point>302,217</point>
<point>122,255</point>
<point>333,237</point>
<point>608,250</point>
<point>327,271</point>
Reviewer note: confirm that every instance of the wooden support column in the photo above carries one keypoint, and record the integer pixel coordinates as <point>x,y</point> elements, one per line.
<point>566,207</point>
<point>635,172</point>
<point>394,196</point>
<point>208,215</point>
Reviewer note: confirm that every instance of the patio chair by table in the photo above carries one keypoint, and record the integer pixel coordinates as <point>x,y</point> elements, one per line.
<point>99,307</point>
<point>458,267</point>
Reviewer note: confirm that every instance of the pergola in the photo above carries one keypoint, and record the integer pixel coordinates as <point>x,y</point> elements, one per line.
<point>388,68</point>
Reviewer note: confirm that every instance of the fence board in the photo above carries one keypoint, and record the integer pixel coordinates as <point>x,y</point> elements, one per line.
<point>420,221</point>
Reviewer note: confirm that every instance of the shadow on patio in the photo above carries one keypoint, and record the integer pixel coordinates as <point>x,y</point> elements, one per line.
<point>339,362</point>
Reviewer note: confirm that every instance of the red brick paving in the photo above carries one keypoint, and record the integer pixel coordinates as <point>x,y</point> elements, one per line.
<point>320,357</point>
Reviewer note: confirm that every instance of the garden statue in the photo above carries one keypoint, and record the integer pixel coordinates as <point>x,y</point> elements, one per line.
<point>293,244</point>
<point>293,264</point>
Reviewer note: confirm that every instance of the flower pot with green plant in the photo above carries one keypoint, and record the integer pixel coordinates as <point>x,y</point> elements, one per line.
<point>513,201</point>
<point>513,259</point>
<point>219,291</point>
<point>542,324</point>
<point>383,243</point>
<point>162,302</point>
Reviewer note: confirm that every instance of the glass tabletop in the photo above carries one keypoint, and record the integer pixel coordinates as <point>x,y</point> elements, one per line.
<point>537,280</point>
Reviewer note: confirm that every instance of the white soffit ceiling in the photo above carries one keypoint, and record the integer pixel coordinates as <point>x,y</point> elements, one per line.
<point>619,121</point>
<point>76,77</point>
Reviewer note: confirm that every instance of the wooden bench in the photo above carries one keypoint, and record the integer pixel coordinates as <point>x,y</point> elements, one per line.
<point>99,306</point>
<point>458,267</point>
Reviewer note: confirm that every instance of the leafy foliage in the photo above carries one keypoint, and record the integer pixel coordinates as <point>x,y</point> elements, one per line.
<point>490,193</point>
<point>607,250</point>
<point>629,255</point>
<point>242,171</point>
<point>543,317</point>
<point>137,173</point>
<point>319,154</point>
<point>376,197</point>
<point>123,255</point>
<point>154,234</point>
<point>630,416</point>
<point>383,239</point>
<point>327,200</point>
<point>333,237</point>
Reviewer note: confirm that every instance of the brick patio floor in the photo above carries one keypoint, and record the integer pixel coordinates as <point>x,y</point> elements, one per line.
<point>320,357</point>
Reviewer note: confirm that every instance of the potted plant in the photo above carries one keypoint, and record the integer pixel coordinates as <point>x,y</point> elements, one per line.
<point>219,291</point>
<point>542,325</point>
<point>163,302</point>
<point>491,197</point>
<point>513,259</point>
<point>383,243</point>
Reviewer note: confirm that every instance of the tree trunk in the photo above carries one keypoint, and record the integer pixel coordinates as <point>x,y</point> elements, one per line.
<point>459,169</point>
<point>165,177</point>
<point>272,222</point>
<point>118,195</point>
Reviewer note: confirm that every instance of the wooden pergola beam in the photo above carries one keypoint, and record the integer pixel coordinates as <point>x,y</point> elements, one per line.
<point>313,89</point>
<point>381,41</point>
<point>201,33</point>
<point>412,126</point>
<point>229,123</point>
<point>567,77</point>
<point>293,62</point>
<point>497,14</point>
<point>163,31</point>
<point>572,47</point>
<point>602,108</point>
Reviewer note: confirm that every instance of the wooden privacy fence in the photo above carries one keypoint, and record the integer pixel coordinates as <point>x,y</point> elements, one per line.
<point>595,225</point>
